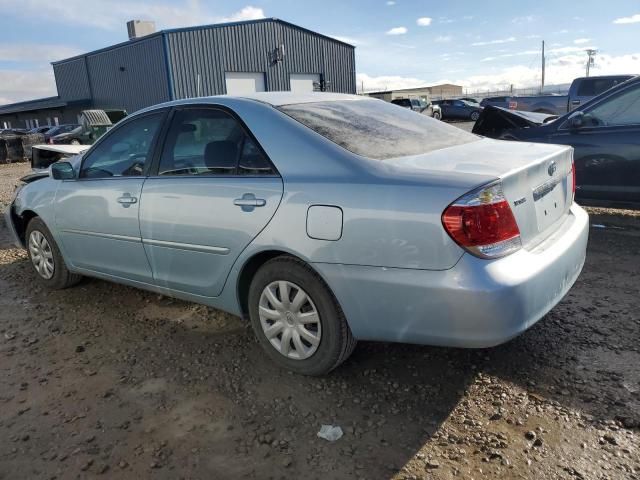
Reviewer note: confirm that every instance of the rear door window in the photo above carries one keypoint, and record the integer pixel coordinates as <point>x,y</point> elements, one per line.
<point>209,141</point>
<point>592,87</point>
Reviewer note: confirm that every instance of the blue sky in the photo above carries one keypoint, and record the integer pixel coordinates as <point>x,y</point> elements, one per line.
<point>401,43</point>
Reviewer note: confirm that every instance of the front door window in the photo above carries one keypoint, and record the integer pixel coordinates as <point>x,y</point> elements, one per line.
<point>125,151</point>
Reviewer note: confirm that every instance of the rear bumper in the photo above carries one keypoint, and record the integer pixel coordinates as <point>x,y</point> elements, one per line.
<point>477,303</point>
<point>13,235</point>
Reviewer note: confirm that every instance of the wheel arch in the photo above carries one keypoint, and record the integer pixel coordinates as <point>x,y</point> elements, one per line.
<point>21,221</point>
<point>253,264</point>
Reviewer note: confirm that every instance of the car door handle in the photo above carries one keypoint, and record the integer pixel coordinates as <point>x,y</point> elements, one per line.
<point>126,200</point>
<point>249,201</point>
<point>575,102</point>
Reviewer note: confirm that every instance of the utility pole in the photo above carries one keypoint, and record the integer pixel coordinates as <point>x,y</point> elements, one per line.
<point>591,60</point>
<point>543,65</point>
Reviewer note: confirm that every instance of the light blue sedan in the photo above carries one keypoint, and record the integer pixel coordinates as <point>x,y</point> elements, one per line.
<point>323,218</point>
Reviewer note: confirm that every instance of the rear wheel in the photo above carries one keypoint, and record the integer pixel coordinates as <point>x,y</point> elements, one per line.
<point>475,116</point>
<point>297,320</point>
<point>437,115</point>
<point>46,258</point>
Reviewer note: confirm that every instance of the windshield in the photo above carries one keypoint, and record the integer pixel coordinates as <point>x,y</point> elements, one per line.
<point>377,129</point>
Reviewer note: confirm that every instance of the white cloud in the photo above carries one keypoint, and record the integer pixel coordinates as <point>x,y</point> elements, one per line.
<point>113,15</point>
<point>19,85</point>
<point>580,41</point>
<point>523,20</point>
<point>424,21</point>
<point>509,55</point>
<point>560,70</point>
<point>567,50</point>
<point>532,36</point>
<point>397,31</point>
<point>350,40</point>
<point>443,38</point>
<point>386,82</point>
<point>625,20</point>
<point>246,13</point>
<point>494,42</point>
<point>33,52</point>
<point>403,45</point>
<point>391,3</point>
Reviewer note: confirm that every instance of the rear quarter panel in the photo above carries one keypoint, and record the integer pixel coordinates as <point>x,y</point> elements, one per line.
<point>391,215</point>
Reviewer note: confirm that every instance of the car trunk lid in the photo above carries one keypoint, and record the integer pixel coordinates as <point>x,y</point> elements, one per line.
<point>536,178</point>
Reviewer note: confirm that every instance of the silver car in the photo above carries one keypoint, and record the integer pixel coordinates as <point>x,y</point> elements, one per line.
<point>322,218</point>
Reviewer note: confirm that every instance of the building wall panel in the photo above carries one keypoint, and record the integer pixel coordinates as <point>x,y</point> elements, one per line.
<point>72,79</point>
<point>129,77</point>
<point>200,57</point>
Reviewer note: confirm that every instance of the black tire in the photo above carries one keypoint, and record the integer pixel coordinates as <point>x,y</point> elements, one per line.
<point>62,277</point>
<point>474,116</point>
<point>437,115</point>
<point>336,342</point>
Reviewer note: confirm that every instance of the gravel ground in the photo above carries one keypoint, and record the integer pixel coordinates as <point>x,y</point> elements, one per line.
<point>107,380</point>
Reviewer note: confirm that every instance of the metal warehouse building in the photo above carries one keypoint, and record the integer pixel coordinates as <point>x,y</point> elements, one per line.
<point>234,58</point>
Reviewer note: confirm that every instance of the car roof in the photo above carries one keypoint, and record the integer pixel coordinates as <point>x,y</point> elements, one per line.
<point>278,99</point>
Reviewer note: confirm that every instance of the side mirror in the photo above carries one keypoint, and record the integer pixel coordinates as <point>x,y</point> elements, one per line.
<point>576,121</point>
<point>62,171</point>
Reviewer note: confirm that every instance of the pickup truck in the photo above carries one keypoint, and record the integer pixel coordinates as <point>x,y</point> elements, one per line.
<point>581,91</point>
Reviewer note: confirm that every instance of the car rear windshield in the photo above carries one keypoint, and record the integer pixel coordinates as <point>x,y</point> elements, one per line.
<point>377,129</point>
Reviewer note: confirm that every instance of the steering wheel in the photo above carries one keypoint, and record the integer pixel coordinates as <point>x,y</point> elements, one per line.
<point>137,167</point>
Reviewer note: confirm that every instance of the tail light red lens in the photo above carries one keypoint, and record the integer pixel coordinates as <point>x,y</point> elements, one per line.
<point>482,223</point>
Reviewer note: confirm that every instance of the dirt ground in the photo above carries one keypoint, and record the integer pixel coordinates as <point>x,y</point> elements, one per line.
<point>105,380</point>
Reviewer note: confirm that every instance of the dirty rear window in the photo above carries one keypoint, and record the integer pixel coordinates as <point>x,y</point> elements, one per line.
<point>377,129</point>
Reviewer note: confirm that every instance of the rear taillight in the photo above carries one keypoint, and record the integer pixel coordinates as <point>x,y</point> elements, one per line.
<point>482,223</point>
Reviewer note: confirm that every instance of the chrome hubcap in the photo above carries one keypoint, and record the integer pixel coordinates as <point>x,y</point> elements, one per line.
<point>41,254</point>
<point>290,320</point>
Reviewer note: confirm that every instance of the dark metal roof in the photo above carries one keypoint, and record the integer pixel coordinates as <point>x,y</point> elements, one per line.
<point>48,102</point>
<point>200,27</point>
<point>37,104</point>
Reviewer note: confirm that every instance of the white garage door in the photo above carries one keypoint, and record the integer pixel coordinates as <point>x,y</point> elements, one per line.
<point>239,83</point>
<point>303,82</point>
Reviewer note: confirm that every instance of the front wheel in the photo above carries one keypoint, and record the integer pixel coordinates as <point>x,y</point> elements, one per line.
<point>296,318</point>
<point>475,116</point>
<point>437,115</point>
<point>46,258</point>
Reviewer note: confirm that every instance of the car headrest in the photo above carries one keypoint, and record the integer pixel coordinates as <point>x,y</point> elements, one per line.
<point>221,154</point>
